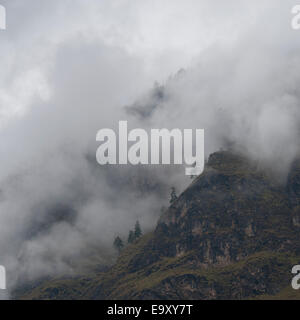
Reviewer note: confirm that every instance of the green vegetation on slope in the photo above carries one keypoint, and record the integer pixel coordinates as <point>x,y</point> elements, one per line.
<point>233,234</point>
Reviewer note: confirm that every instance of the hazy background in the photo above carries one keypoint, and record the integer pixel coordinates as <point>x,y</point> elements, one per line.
<point>71,67</point>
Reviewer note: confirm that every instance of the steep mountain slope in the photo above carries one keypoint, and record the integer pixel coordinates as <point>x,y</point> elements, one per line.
<point>233,234</point>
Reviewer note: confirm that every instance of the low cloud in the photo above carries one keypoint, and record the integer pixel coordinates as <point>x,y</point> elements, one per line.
<point>70,68</point>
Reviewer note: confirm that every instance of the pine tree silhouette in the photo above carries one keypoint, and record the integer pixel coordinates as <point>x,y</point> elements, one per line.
<point>131,237</point>
<point>173,195</point>
<point>118,244</point>
<point>137,230</point>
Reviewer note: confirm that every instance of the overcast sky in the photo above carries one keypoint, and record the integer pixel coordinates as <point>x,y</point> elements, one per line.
<point>70,67</point>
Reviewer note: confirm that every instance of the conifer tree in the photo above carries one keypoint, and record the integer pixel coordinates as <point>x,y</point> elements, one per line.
<point>118,244</point>
<point>137,230</point>
<point>131,237</point>
<point>173,195</point>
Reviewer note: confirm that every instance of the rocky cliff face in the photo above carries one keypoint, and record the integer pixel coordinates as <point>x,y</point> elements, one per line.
<point>227,214</point>
<point>233,234</point>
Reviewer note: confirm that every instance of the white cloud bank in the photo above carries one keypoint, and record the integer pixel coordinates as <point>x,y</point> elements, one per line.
<point>68,68</point>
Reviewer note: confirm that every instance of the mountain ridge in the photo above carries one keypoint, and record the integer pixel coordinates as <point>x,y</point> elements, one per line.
<point>232,234</point>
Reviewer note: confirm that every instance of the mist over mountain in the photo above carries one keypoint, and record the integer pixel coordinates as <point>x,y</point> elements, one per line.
<point>232,234</point>
<point>70,68</point>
